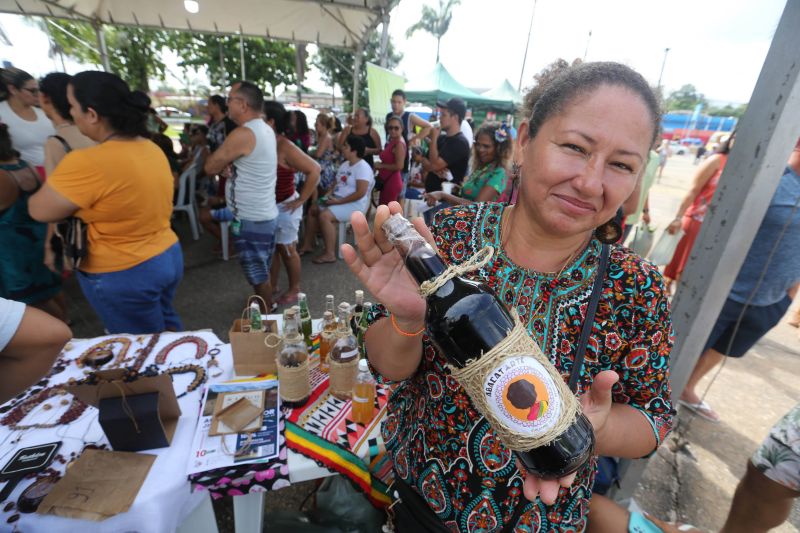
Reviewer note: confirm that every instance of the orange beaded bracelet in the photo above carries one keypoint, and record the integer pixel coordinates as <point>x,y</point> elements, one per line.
<point>405,333</point>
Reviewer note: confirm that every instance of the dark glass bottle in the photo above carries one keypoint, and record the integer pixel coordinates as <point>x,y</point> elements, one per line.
<point>465,319</point>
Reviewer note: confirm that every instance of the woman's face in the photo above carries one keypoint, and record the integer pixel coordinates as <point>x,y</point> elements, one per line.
<point>395,129</point>
<point>360,118</point>
<point>584,161</point>
<point>28,94</point>
<point>85,120</point>
<point>319,125</point>
<point>485,148</point>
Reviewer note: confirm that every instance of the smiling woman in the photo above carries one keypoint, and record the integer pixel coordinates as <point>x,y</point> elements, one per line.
<point>581,148</point>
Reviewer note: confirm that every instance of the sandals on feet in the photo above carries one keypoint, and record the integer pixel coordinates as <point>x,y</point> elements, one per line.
<point>701,409</point>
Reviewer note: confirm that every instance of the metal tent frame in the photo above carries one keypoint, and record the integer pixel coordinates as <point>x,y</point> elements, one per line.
<point>326,23</point>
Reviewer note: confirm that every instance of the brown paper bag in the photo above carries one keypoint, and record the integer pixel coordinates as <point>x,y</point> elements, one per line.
<point>111,385</point>
<point>251,355</point>
<point>237,412</point>
<point>99,485</point>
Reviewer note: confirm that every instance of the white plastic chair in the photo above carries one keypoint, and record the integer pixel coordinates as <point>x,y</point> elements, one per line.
<point>344,224</point>
<point>185,201</point>
<point>342,237</point>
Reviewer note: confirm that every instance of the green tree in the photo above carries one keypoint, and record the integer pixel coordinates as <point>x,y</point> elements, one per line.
<point>134,53</point>
<point>685,98</point>
<point>435,23</point>
<point>728,111</point>
<point>267,63</point>
<point>336,66</point>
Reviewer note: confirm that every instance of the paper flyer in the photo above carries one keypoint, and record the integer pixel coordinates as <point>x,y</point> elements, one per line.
<point>209,452</point>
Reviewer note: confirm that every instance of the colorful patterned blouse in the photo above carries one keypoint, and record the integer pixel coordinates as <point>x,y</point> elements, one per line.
<point>486,176</point>
<point>445,449</point>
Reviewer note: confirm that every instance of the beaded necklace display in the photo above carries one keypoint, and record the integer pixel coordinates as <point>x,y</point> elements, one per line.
<point>101,350</point>
<point>144,352</point>
<point>201,344</point>
<point>75,410</point>
<point>132,375</point>
<point>199,375</point>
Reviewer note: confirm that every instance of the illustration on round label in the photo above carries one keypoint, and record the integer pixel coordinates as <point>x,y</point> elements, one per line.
<point>523,395</point>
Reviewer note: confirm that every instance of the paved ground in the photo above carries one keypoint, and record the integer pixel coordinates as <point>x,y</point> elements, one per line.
<point>750,393</point>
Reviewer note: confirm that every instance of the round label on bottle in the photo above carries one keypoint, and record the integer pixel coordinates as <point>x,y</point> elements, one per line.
<point>523,396</point>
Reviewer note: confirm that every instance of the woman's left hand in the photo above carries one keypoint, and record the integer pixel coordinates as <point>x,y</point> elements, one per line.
<point>596,405</point>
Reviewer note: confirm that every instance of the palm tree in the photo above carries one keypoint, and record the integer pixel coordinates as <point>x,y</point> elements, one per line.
<point>435,23</point>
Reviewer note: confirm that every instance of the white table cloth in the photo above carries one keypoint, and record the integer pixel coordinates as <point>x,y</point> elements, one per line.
<point>164,500</point>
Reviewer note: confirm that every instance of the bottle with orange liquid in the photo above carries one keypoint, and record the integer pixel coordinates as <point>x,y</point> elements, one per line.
<point>327,337</point>
<point>363,405</point>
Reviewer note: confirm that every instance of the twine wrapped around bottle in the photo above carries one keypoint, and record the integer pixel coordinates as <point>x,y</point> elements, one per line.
<point>342,376</point>
<point>476,376</point>
<point>294,383</point>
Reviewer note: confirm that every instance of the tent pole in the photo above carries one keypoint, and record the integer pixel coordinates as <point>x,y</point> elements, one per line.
<point>385,40</point>
<point>223,73</point>
<point>763,144</point>
<point>241,55</point>
<point>101,44</point>
<point>356,73</point>
<point>527,44</point>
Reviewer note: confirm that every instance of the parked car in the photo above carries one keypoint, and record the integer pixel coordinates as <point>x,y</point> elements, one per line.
<point>677,148</point>
<point>309,112</point>
<point>171,112</point>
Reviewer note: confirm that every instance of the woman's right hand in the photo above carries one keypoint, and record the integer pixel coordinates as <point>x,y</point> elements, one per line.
<point>674,226</point>
<point>378,265</point>
<point>432,198</point>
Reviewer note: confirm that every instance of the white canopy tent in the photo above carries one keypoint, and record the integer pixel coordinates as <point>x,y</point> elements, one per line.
<point>331,23</point>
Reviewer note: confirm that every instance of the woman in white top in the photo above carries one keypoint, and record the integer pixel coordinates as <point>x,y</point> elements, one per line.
<point>354,181</point>
<point>28,125</point>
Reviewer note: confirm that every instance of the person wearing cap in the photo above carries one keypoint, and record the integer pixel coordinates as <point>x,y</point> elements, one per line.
<point>449,153</point>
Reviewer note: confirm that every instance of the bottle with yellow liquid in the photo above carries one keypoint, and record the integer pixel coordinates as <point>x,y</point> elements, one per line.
<point>363,405</point>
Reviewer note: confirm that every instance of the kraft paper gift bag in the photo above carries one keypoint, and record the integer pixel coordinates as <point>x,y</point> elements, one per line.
<point>99,485</point>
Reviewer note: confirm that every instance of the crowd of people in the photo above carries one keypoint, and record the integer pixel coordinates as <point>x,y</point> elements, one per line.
<point>88,180</point>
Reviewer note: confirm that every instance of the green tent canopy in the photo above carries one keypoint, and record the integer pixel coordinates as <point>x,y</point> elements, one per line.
<point>505,91</point>
<point>440,85</point>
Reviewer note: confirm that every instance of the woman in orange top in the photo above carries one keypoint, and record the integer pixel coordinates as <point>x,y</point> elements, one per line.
<point>122,189</point>
<point>693,209</point>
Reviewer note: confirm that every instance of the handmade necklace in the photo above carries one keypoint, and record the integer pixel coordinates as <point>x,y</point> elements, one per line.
<point>202,346</point>
<point>213,363</point>
<point>75,410</point>
<point>199,375</point>
<point>144,352</point>
<point>101,353</point>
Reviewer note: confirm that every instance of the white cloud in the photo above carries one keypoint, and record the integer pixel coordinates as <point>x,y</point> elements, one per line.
<point>719,46</point>
<point>716,45</point>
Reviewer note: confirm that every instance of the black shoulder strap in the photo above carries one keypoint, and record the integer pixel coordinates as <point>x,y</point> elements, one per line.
<point>63,141</point>
<point>588,322</point>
